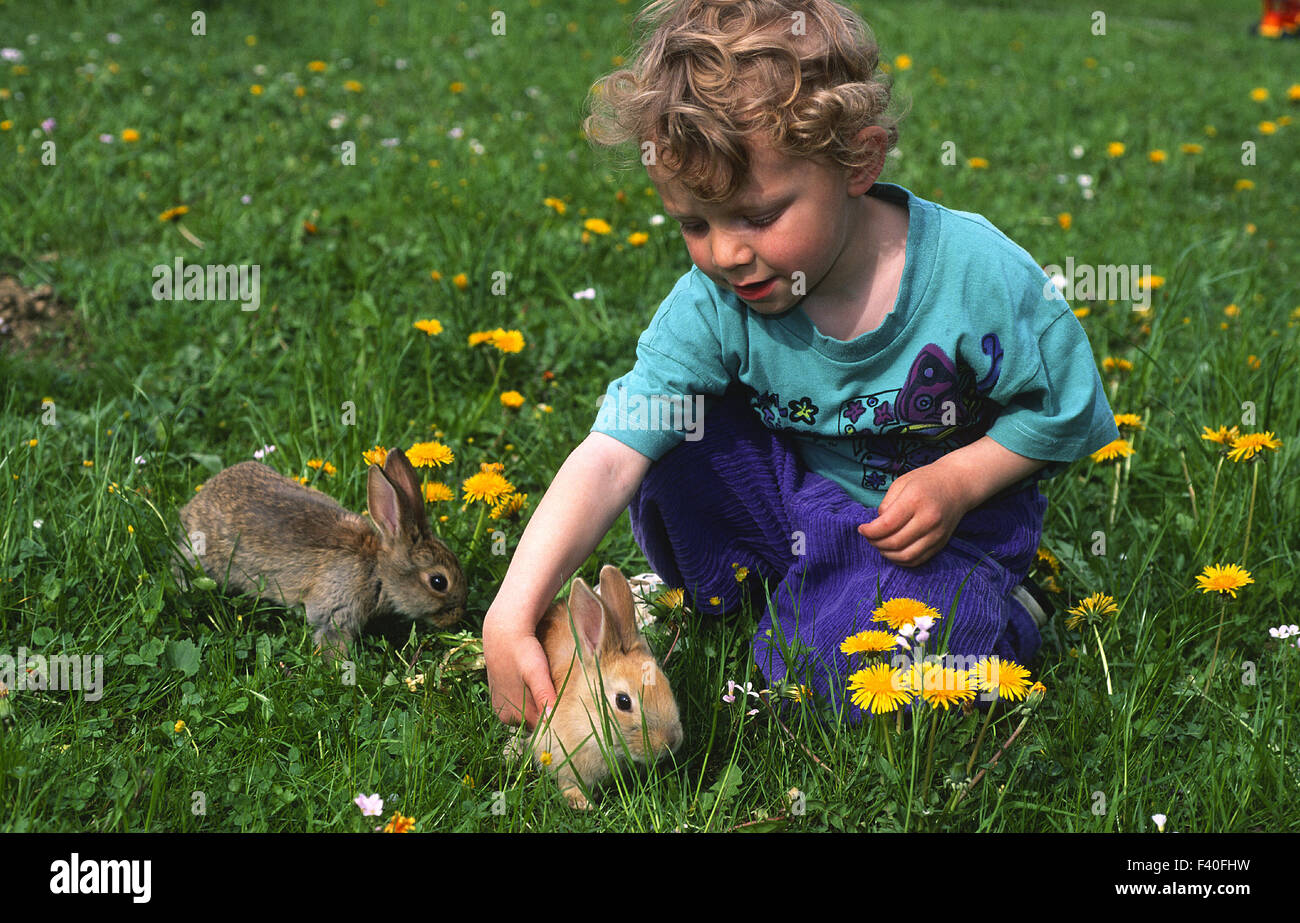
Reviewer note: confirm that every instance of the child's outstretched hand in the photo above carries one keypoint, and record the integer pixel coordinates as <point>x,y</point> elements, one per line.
<point>518,674</point>
<point>920,512</point>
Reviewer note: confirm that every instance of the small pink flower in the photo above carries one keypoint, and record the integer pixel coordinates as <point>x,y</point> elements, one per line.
<point>370,805</point>
<point>49,125</point>
<point>106,138</point>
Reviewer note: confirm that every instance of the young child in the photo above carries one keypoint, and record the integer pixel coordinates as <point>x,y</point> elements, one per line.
<point>886,378</point>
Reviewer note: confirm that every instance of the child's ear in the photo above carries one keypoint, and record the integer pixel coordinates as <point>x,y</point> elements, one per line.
<point>875,141</point>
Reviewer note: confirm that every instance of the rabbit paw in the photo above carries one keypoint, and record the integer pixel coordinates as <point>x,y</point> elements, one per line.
<point>577,800</point>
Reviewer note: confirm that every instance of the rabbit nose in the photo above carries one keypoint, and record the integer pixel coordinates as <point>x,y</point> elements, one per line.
<point>674,737</point>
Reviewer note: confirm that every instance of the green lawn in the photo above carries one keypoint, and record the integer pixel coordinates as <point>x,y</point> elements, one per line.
<point>113,410</point>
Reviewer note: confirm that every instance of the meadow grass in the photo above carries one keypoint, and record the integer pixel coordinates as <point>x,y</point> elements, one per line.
<point>110,421</point>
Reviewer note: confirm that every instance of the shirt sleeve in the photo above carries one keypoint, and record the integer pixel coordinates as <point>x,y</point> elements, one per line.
<point>1055,407</point>
<point>679,367</point>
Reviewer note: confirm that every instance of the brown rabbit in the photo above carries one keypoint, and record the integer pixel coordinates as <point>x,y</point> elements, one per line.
<point>263,532</point>
<point>613,696</point>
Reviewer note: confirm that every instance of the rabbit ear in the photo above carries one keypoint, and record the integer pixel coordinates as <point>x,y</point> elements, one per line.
<point>617,594</point>
<point>383,503</point>
<point>587,615</point>
<point>397,468</point>
<point>408,501</point>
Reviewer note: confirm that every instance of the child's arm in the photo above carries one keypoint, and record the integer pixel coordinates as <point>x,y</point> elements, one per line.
<point>592,487</point>
<point>922,508</point>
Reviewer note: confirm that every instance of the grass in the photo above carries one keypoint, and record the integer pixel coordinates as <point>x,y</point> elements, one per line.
<point>273,738</point>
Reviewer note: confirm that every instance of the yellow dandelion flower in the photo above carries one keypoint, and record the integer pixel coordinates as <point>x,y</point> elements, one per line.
<point>431,327</point>
<point>1243,185</point>
<point>352,86</point>
<point>32,443</point>
<point>1005,677</point>
<point>879,689</point>
<point>597,226</point>
<point>1130,420</point>
<point>256,89</point>
<point>509,505</point>
<point>868,642</point>
<point>1116,365</point>
<point>87,463</point>
<point>1253,361</point>
<point>486,486</point>
<point>741,574</point>
<point>945,685</point>
<point>1232,310</point>
<point>1224,578</point>
<point>1293,92</point>
<point>1259,94</point>
<point>399,824</point>
<point>1223,435</point>
<point>316,67</point>
<point>1081,313</point>
<point>977,163</point>
<point>1115,149</point>
<point>672,598</point>
<point>460,280</point>
<point>179,726</point>
<point>1191,148</point>
<point>1120,448</point>
<point>556,204</point>
<point>1049,559</point>
<point>330,469</point>
<point>508,341</point>
<point>637,238</point>
<point>545,758</point>
<point>6,125</point>
<point>457,86</point>
<point>902,611</point>
<point>1267,128</point>
<point>435,276</point>
<point>1246,447</point>
<point>715,601</point>
<point>375,456</point>
<point>1150,282</point>
<point>512,399</point>
<point>434,492</point>
<point>1065,219</point>
<point>1157,156</point>
<point>315,462</point>
<point>173,213</point>
<point>429,455</point>
<point>1091,609</point>
<point>130,135</point>
<point>481,336</point>
<point>903,62</point>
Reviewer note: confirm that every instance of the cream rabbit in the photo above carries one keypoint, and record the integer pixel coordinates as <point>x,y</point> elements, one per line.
<point>613,696</point>
<point>262,532</point>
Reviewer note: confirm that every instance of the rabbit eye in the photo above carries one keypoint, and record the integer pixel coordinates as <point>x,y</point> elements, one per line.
<point>623,701</point>
<point>438,582</point>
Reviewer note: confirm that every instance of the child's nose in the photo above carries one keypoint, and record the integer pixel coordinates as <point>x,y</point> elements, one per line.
<point>729,251</point>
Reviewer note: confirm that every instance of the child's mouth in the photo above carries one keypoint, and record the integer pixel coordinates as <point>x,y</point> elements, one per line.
<point>757,291</point>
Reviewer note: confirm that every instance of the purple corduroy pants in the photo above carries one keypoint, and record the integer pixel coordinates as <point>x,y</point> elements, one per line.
<point>741,496</point>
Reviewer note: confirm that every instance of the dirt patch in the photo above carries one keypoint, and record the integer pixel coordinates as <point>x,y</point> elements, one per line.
<point>33,321</point>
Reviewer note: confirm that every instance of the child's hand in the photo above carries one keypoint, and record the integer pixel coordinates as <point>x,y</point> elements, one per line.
<point>920,512</point>
<point>517,673</point>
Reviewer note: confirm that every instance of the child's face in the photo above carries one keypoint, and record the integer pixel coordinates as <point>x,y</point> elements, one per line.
<point>780,236</point>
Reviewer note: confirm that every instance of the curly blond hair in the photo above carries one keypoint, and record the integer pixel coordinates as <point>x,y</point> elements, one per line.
<point>712,76</point>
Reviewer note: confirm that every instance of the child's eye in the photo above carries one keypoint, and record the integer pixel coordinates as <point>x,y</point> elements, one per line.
<point>764,220</point>
<point>692,228</point>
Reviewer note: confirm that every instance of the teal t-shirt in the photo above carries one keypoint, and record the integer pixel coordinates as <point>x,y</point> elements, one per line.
<point>978,342</point>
